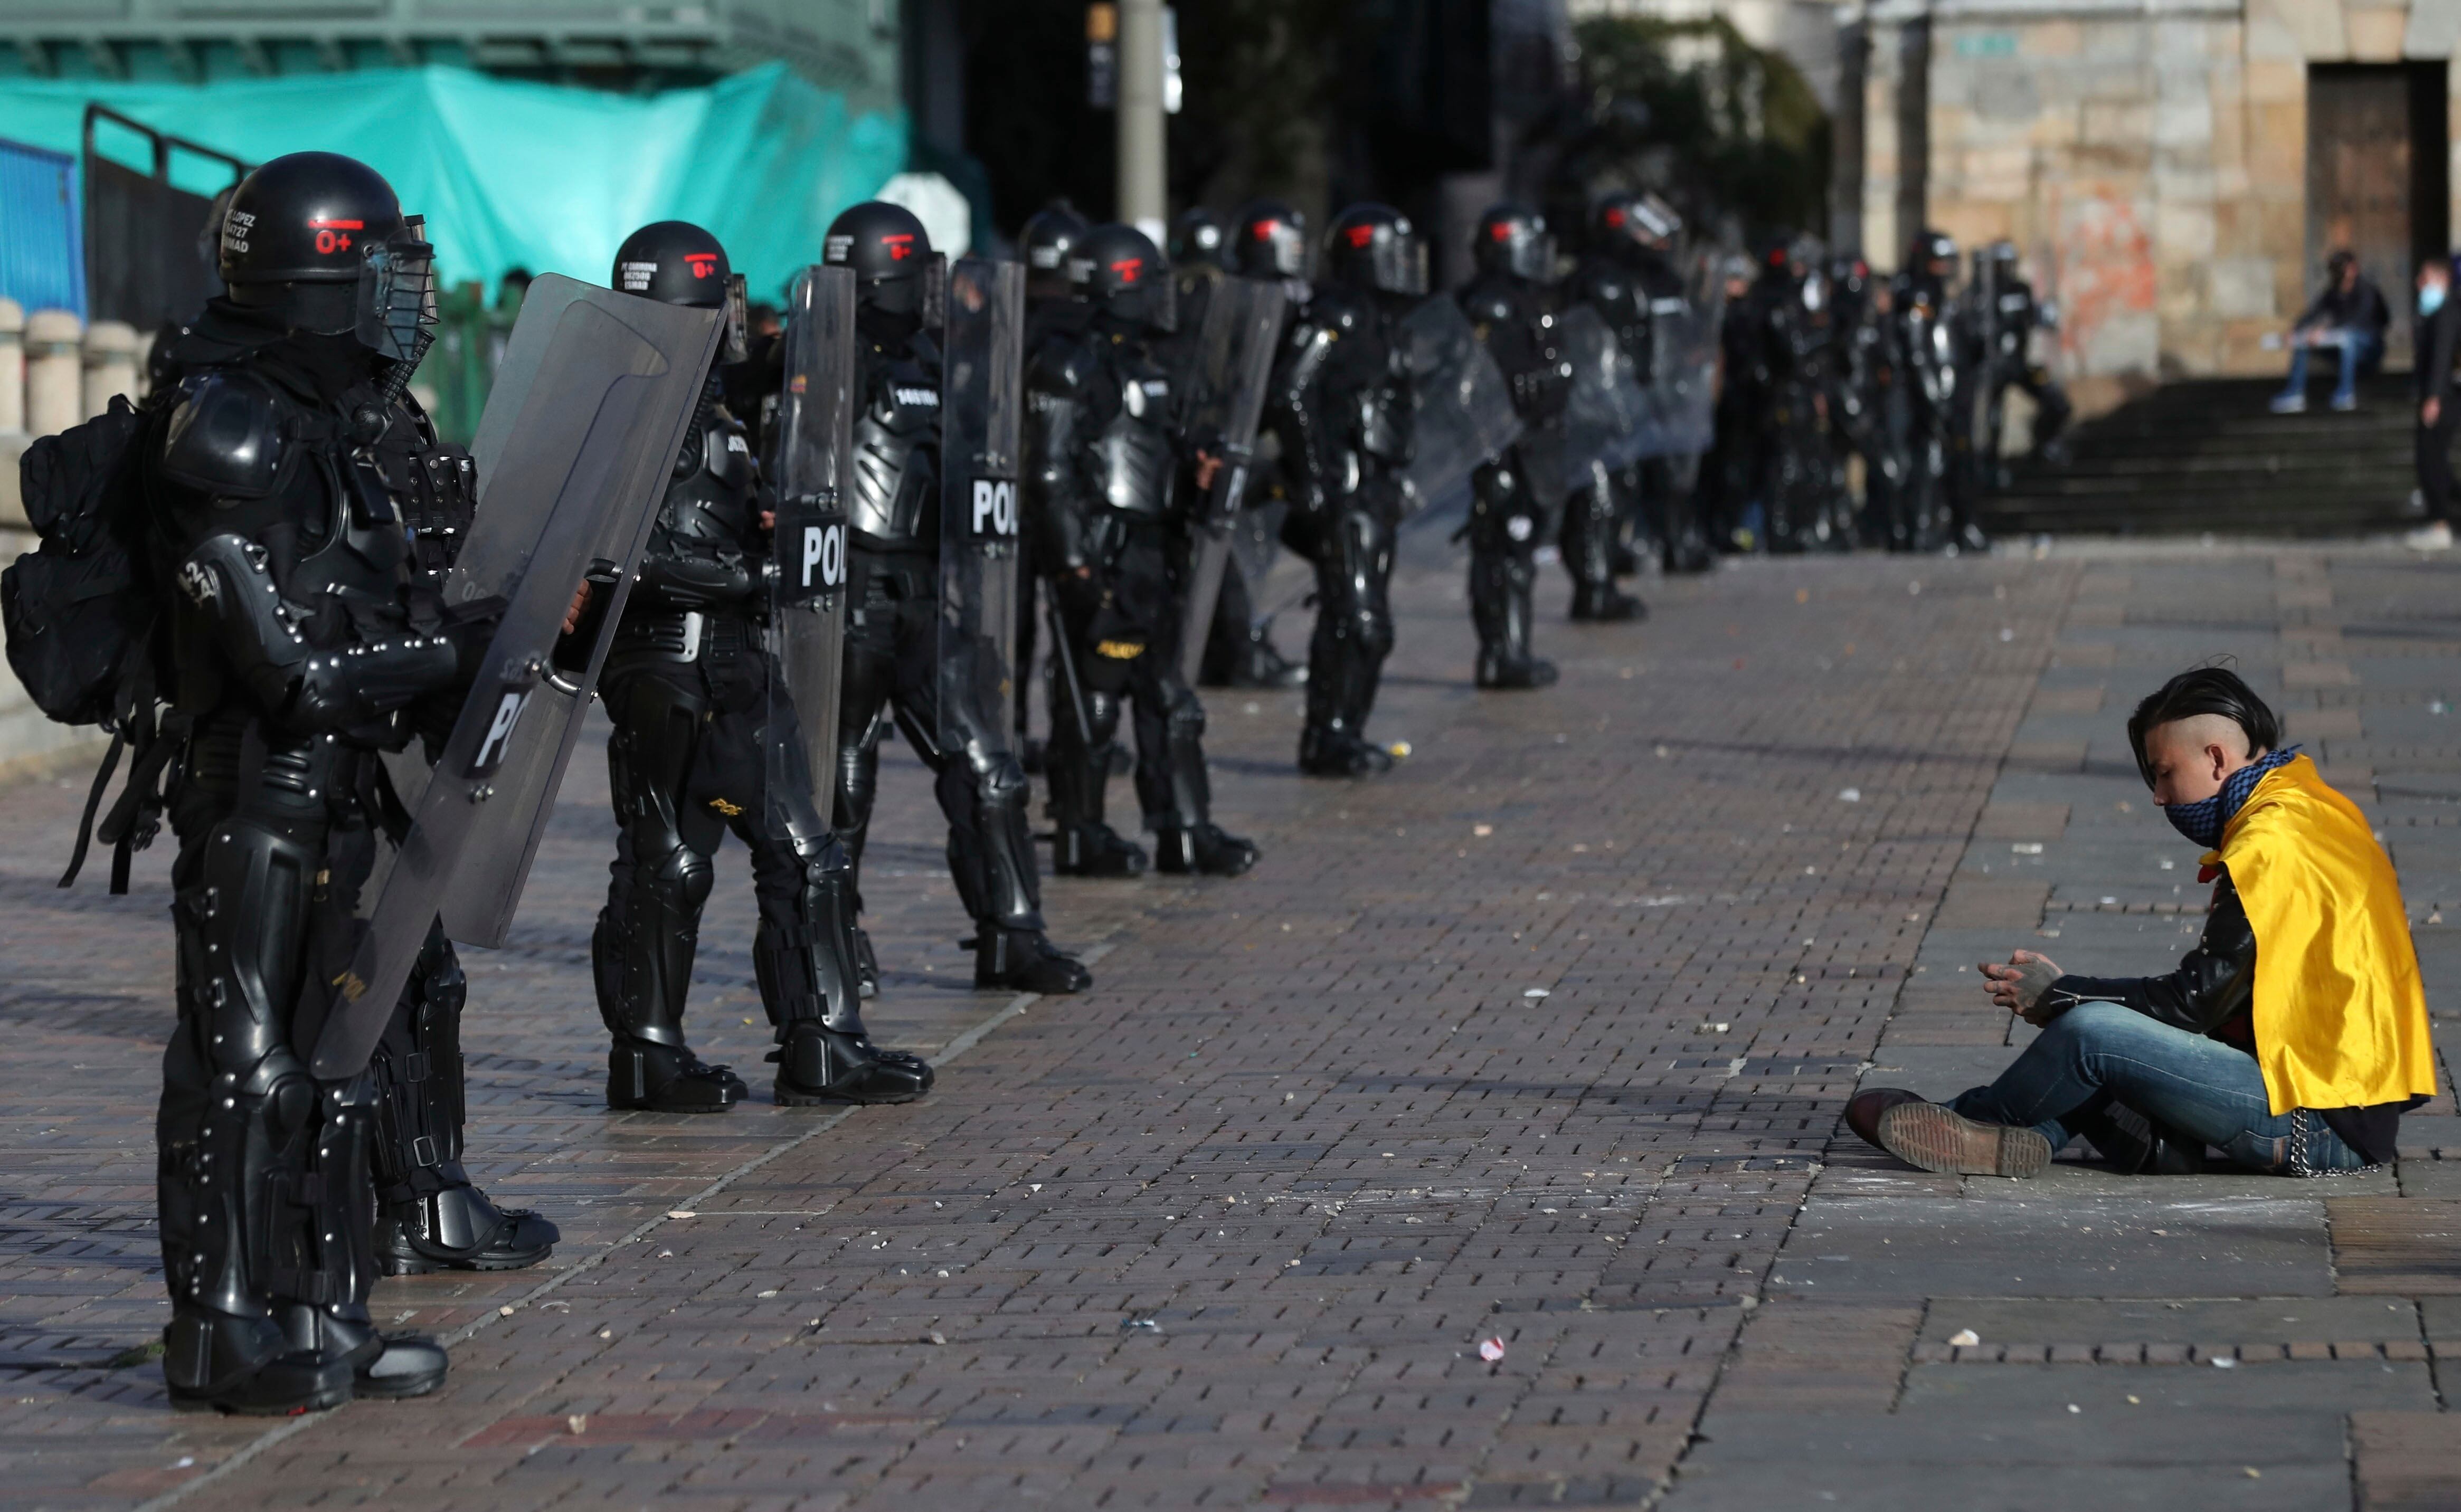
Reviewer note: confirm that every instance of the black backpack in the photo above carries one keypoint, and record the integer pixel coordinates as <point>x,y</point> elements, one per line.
<point>80,623</point>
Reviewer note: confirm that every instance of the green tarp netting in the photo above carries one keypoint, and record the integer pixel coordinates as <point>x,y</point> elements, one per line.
<point>532,175</point>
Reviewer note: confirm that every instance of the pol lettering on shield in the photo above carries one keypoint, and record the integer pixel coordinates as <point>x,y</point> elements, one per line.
<point>824,553</point>
<point>498,743</point>
<point>994,507</point>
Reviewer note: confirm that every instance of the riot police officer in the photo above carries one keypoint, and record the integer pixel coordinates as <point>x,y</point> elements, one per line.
<point>2005,314</point>
<point>1200,237</point>
<point>893,651</point>
<point>1508,304</point>
<point>1630,279</point>
<point>688,684</point>
<point>1103,462</point>
<point>1931,327</point>
<point>1865,405</point>
<point>1048,237</point>
<point>1266,240</point>
<point>305,639</point>
<point>1805,492</point>
<point>1342,407</point>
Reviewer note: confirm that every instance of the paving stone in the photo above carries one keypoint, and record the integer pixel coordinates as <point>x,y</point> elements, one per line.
<point>1232,1227</point>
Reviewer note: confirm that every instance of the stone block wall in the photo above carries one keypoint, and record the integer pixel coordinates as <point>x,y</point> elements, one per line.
<point>2147,156</point>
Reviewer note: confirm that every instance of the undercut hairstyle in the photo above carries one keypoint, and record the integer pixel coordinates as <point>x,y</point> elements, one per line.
<point>2203,691</point>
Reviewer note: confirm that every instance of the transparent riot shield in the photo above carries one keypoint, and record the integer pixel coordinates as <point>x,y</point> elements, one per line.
<point>1228,366</point>
<point>1682,403</point>
<point>981,390</point>
<point>807,602</point>
<point>594,400</point>
<point>1605,411</point>
<point>1465,406</point>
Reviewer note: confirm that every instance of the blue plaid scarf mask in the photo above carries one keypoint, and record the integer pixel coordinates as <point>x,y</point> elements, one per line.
<point>2202,821</point>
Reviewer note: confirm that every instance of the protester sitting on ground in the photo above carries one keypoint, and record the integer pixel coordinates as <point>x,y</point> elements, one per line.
<point>2349,315</point>
<point>2439,324</point>
<point>2292,1037</point>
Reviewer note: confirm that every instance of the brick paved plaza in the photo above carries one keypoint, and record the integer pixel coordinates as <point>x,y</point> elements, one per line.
<point>1541,1040</point>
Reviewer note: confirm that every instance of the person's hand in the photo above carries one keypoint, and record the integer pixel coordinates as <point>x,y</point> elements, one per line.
<point>2020,986</point>
<point>769,521</point>
<point>580,603</point>
<point>1207,467</point>
<point>2429,412</point>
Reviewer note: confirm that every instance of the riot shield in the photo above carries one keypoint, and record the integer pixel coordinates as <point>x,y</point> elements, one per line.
<point>1605,411</point>
<point>1682,391</point>
<point>807,602</point>
<point>1229,363</point>
<point>981,389</point>
<point>1465,406</point>
<point>594,400</point>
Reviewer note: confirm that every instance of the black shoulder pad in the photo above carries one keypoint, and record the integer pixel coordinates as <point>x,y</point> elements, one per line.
<point>225,435</point>
<point>1337,309</point>
<point>1062,366</point>
<point>1487,305</point>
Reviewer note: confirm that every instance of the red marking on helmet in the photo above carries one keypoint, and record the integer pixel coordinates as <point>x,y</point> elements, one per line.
<point>899,245</point>
<point>1127,267</point>
<point>316,221</point>
<point>330,241</point>
<point>1361,235</point>
<point>701,264</point>
<point>1500,231</point>
<point>1265,230</point>
<point>1614,216</point>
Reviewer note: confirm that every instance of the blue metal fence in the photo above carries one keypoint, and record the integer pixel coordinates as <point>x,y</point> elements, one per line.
<point>42,256</point>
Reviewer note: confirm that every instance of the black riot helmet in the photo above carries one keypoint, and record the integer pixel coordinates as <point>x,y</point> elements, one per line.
<point>1373,249</point>
<point>2003,254</point>
<point>894,269</point>
<point>1048,236</point>
<point>319,241</point>
<point>1513,238</point>
<point>677,262</point>
<point>1636,220</point>
<point>1269,239</point>
<point>1201,236</point>
<point>1934,256</point>
<point>1119,272</point>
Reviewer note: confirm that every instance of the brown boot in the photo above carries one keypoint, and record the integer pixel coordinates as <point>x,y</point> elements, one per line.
<point>1863,1114</point>
<point>1934,1138</point>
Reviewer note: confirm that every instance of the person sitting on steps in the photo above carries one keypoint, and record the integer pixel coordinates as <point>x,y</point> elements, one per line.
<point>2291,1038</point>
<point>2349,315</point>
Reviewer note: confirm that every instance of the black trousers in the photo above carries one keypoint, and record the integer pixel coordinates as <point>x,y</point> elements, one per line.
<point>892,671</point>
<point>1122,628</point>
<point>2435,464</point>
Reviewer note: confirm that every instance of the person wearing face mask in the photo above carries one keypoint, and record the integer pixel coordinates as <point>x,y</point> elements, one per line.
<point>2292,1037</point>
<point>2439,322</point>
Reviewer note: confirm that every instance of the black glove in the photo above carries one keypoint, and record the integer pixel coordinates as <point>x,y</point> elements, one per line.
<point>471,627</point>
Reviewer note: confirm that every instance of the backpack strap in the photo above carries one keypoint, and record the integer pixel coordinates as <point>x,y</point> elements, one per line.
<point>93,802</point>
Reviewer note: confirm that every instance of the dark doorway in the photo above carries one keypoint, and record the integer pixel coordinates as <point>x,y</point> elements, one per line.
<point>2378,184</point>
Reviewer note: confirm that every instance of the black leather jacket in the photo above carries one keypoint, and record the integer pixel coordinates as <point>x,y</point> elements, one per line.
<point>2208,994</point>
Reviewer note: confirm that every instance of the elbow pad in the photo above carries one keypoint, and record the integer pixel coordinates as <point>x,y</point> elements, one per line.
<point>309,690</point>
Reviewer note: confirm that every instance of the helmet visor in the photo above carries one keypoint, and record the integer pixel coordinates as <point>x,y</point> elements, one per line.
<point>396,313</point>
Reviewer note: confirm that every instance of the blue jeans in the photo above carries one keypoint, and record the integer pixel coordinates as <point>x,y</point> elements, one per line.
<point>2100,1051</point>
<point>2358,349</point>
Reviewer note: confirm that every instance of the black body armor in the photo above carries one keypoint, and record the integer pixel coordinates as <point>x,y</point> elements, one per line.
<point>1341,410</point>
<point>1508,519</point>
<point>1104,460</point>
<point>301,516</point>
<point>688,684</point>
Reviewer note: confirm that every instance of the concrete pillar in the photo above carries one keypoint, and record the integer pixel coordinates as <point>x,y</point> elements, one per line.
<point>1142,188</point>
<point>55,399</point>
<point>110,365</point>
<point>12,366</point>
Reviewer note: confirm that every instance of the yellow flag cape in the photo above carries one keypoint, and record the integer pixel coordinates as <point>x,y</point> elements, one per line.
<point>2341,1018</point>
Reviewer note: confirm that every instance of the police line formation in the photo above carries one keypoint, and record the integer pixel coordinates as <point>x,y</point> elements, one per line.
<point>352,690</point>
